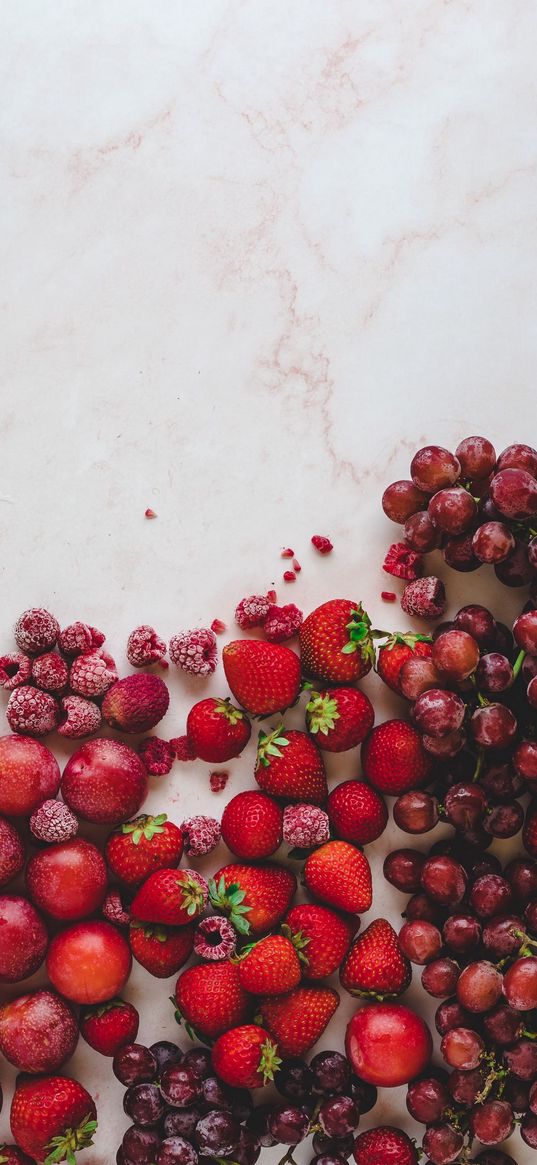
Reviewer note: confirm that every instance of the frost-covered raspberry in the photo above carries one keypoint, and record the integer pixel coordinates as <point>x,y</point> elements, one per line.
<point>80,717</point>
<point>282,622</point>
<point>157,755</point>
<point>50,672</point>
<point>32,712</point>
<point>426,598</point>
<point>218,781</point>
<point>194,651</point>
<point>93,674</point>
<point>79,638</point>
<point>402,562</point>
<point>36,630</point>
<point>144,646</point>
<point>305,826</point>
<point>200,835</point>
<point>114,910</point>
<point>182,747</point>
<point>215,938</point>
<point>252,611</point>
<point>53,821</point>
<point>15,669</point>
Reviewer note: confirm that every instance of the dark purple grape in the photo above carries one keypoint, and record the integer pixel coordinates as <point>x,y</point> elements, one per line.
<point>442,1144</point>
<point>478,622</point>
<point>525,631</point>
<point>217,1134</point>
<point>500,782</point>
<point>332,1146</point>
<point>494,1157</point>
<point>465,1087</point>
<point>248,1149</point>
<point>477,457</point>
<point>462,933</point>
<point>451,1014</point>
<point>521,874</point>
<point>479,986</point>
<point>420,941</point>
<point>465,806</point>
<point>416,811</point>
<point>140,1145</point>
<point>503,640</point>
<point>462,1048</point>
<point>440,977</point>
<point>331,1073</point>
<point>532,552</point>
<point>181,1087</point>
<point>176,1151</point>
<point>530,916</point>
<point>427,1098</point>
<point>257,1124</point>
<point>144,1104</point>
<point>459,554</point>
<point>453,510</point>
<point>532,1099</point>
<point>294,1079</point>
<point>525,759</point>
<point>438,713</point>
<point>505,821</point>
<point>134,1064</point>
<point>433,468</point>
<point>479,865</point>
<point>242,1104</point>
<point>401,499</point>
<point>494,673</point>
<point>490,895</point>
<point>165,1054</point>
<point>444,880</point>
<point>420,906</point>
<point>517,1092</point>
<point>403,868</point>
<point>288,1124</point>
<point>514,493</point>
<point>363,1094</point>
<point>503,936</point>
<point>181,1122</point>
<point>199,1059</point>
<point>516,570</point>
<point>216,1094</point>
<point>528,1130</point>
<point>420,533</point>
<point>328,1159</point>
<point>521,1059</point>
<point>493,726</point>
<point>338,1116</point>
<point>492,1122</point>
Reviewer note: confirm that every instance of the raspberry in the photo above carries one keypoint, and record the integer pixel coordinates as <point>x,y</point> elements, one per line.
<point>32,712</point>
<point>144,646</point>
<point>282,622</point>
<point>50,672</point>
<point>403,562</point>
<point>136,703</point>
<point>194,651</point>
<point>218,627</point>
<point>80,717</point>
<point>426,598</point>
<point>113,909</point>
<point>36,630</point>
<point>305,826</point>
<point>182,748</point>
<point>79,638</point>
<point>157,755</point>
<point>53,821</point>
<point>218,781</point>
<point>322,544</point>
<point>252,611</point>
<point>200,835</point>
<point>215,938</point>
<point>289,576</point>
<point>93,674</point>
<point>15,669</point>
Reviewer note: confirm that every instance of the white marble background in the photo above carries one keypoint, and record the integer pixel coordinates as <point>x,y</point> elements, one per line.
<point>253,255</point>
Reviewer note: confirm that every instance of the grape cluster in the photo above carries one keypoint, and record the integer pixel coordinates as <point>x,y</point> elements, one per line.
<point>474,506</point>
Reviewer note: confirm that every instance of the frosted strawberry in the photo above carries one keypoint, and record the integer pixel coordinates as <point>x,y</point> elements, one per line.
<point>289,765</point>
<point>138,848</point>
<point>270,967</point>
<point>210,999</point>
<point>395,652</point>
<point>335,642</point>
<point>339,718</point>
<point>255,897</point>
<point>338,873</point>
<point>245,1057</point>
<point>375,966</point>
<point>263,677</point>
<point>356,812</point>
<point>394,759</point>
<point>297,1020</point>
<point>320,936</point>
<point>172,897</point>
<point>162,950</point>
<point>52,1117</point>
<point>217,730</point>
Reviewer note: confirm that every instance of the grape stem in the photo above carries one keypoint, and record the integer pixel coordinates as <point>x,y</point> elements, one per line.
<point>518,663</point>
<point>288,1159</point>
<point>479,764</point>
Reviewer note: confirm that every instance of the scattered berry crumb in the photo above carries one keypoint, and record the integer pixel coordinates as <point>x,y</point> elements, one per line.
<point>272,597</point>
<point>53,821</point>
<point>322,544</point>
<point>218,781</point>
<point>144,646</point>
<point>305,826</point>
<point>296,565</point>
<point>200,835</point>
<point>157,754</point>
<point>282,622</point>
<point>15,669</point>
<point>80,717</point>
<point>149,513</point>
<point>218,627</point>
<point>215,938</point>
<point>289,576</point>
<point>388,596</point>
<point>403,562</point>
<point>252,612</point>
<point>182,748</point>
<point>287,552</point>
<point>113,909</point>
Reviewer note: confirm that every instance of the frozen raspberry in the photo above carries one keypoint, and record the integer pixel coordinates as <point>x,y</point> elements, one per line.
<point>93,674</point>
<point>31,712</point>
<point>194,651</point>
<point>403,562</point>
<point>252,611</point>
<point>113,909</point>
<point>322,544</point>
<point>215,938</point>
<point>36,630</point>
<point>182,748</point>
<point>136,703</point>
<point>157,755</point>
<point>426,598</point>
<point>200,835</point>
<point>218,627</point>
<point>80,717</point>
<point>50,672</point>
<point>282,622</point>
<point>289,576</point>
<point>305,826</point>
<point>15,669</point>
<point>144,646</point>
<point>53,821</point>
<point>79,638</point>
<point>218,781</point>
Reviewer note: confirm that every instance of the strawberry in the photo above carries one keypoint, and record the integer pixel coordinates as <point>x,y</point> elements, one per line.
<point>52,1117</point>
<point>264,677</point>
<point>290,765</point>
<point>297,1020</point>
<point>321,938</point>
<point>394,759</point>
<point>335,642</point>
<point>210,999</point>
<point>11,1155</point>
<point>384,1146</point>
<point>270,967</point>
<point>162,950</point>
<point>339,874</point>
<point>252,825</point>
<point>174,897</point>
<point>255,897</point>
<point>394,654</point>
<point>375,966</point>
<point>529,835</point>
<point>339,718</point>
<point>357,812</point>
<point>217,731</point>
<point>110,1025</point>
<point>138,848</point>
<point>245,1057</point>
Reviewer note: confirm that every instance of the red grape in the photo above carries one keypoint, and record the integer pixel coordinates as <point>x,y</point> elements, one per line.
<point>493,726</point>
<point>519,456</point>
<point>451,1014</point>
<point>420,941</point>
<point>462,933</point>
<point>420,533</point>
<point>494,673</point>
<point>459,553</point>
<point>465,806</point>
<point>445,747</point>
<point>416,811</point>
<point>402,868</point>
<point>516,570</point>
<point>479,986</point>
<point>503,1025</point>
<point>477,457</point>
<point>493,542</point>
<point>521,874</point>
<point>402,499</point>
<point>503,935</point>
<point>456,655</point>
<point>453,510</point>
<point>520,984</point>
<point>443,1144</point>
<point>427,1097</point>
<point>417,675</point>
<point>525,759</point>
<point>478,622</point>
<point>525,631</point>
<point>492,1122</point>
<point>434,468</point>
<point>462,1048</point>
<point>514,493</point>
<point>439,978</point>
<point>438,713</point>
<point>444,880</point>
<point>490,894</point>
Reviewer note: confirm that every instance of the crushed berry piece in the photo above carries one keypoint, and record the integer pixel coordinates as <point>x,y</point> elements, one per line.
<point>36,630</point>
<point>79,638</point>
<point>80,717</point>
<point>144,646</point>
<point>53,821</point>
<point>194,651</point>
<point>93,674</point>
<point>50,671</point>
<point>15,669</point>
<point>282,622</point>
<point>272,597</point>
<point>218,627</point>
<point>200,835</point>
<point>252,611</point>
<point>322,544</point>
<point>296,566</point>
<point>388,596</point>
<point>403,562</point>
<point>31,712</point>
<point>426,598</point>
<point>218,781</point>
<point>287,552</point>
<point>289,576</point>
<point>183,748</point>
<point>149,513</point>
<point>157,755</point>
<point>215,938</point>
<point>114,910</point>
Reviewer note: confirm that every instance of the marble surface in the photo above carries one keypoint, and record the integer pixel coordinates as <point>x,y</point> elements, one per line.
<point>253,255</point>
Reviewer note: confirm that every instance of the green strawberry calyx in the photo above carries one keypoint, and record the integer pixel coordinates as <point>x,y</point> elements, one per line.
<point>232,714</point>
<point>64,1146</point>
<point>230,899</point>
<point>269,1061</point>
<point>151,930</point>
<point>191,1032</point>
<point>193,895</point>
<point>98,1012</point>
<point>406,638</point>
<point>322,713</point>
<point>269,745</point>
<point>359,628</point>
<point>144,826</point>
<point>299,941</point>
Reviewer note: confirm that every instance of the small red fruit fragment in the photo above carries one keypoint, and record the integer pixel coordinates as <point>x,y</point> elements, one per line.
<point>218,781</point>
<point>403,562</point>
<point>289,576</point>
<point>388,596</point>
<point>272,596</point>
<point>157,755</point>
<point>322,544</point>
<point>252,612</point>
<point>32,712</point>
<point>113,909</point>
<point>183,748</point>
<point>149,513</point>
<point>287,552</point>
<point>296,565</point>
<point>80,717</point>
<point>218,627</point>
<point>282,622</point>
<point>15,669</point>
<point>194,651</point>
<point>145,647</point>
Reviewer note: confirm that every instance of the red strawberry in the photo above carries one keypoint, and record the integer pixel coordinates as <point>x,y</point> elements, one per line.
<point>109,1026</point>
<point>52,1117</point>
<point>290,765</point>
<point>252,825</point>
<point>321,937</point>
<point>264,677</point>
<point>162,950</point>
<point>245,1057</point>
<point>137,849</point>
<point>339,718</point>
<point>394,759</point>
<point>384,1146</point>
<point>210,998</point>
<point>394,654</point>
<point>11,1155</point>
<point>335,642</point>
<point>173,897</point>
<point>356,812</point>
<point>529,835</point>
<point>270,967</point>
<point>217,730</point>
<point>375,966</point>
<point>339,874</point>
<point>297,1020</point>
<point>255,897</point>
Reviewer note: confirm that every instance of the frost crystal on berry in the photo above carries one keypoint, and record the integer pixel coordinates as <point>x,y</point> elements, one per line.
<point>157,755</point>
<point>402,562</point>
<point>182,748</point>
<point>252,611</point>
<point>215,938</point>
<point>201,835</point>
<point>15,669</point>
<point>36,630</point>
<point>144,646</point>
<point>425,598</point>
<point>305,826</point>
<point>50,672</point>
<point>113,909</point>
<point>80,717</point>
<point>93,674</point>
<point>194,651</point>
<point>218,781</point>
<point>32,712</point>
<point>282,622</point>
<point>53,821</point>
<point>322,544</point>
